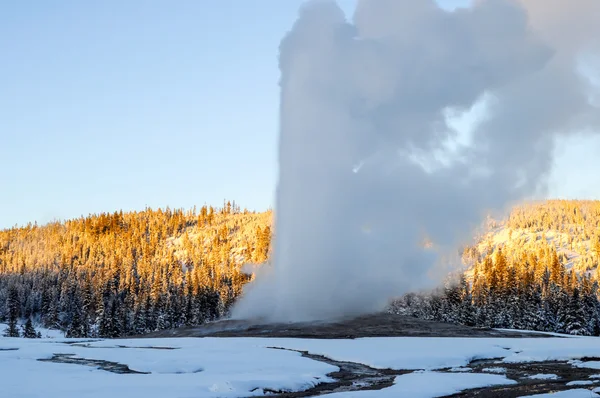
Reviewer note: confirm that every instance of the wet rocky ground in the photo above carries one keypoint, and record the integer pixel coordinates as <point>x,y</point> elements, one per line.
<point>108,366</point>
<point>351,376</point>
<point>376,325</point>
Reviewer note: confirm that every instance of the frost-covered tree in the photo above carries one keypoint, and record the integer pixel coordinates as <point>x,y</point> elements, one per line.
<point>13,309</point>
<point>575,319</point>
<point>29,331</point>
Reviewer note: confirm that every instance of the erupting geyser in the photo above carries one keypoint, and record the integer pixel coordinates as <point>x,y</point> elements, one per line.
<point>368,162</point>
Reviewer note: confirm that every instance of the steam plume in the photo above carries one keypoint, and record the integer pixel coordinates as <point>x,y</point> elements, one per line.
<point>368,162</point>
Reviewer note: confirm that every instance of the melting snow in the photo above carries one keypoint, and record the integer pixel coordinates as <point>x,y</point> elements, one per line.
<point>542,376</point>
<point>234,367</point>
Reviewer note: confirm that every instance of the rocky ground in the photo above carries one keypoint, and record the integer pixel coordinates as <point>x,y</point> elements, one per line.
<point>376,325</point>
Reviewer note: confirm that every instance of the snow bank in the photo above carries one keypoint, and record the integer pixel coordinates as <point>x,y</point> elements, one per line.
<point>431,353</point>
<point>233,367</point>
<point>46,333</point>
<point>197,368</point>
<point>587,364</point>
<point>542,376</point>
<point>580,383</point>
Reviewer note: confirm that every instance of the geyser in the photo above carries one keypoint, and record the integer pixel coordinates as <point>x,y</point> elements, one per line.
<point>369,164</point>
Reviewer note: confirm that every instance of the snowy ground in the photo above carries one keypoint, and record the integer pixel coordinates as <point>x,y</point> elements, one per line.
<point>239,367</point>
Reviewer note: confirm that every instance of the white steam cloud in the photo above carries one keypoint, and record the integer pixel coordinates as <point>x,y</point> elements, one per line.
<point>370,165</point>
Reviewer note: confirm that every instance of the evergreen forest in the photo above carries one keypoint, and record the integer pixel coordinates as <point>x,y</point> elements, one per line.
<point>130,273</point>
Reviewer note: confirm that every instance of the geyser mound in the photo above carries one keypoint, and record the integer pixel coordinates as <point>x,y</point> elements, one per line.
<point>369,161</point>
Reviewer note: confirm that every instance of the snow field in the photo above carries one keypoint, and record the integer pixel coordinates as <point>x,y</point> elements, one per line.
<point>235,367</point>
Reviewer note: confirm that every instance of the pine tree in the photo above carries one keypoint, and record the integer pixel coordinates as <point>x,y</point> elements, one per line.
<point>466,312</point>
<point>103,321</point>
<point>575,322</point>
<point>452,301</point>
<point>12,304</point>
<point>29,331</point>
<point>533,311</point>
<point>77,328</point>
<point>13,329</point>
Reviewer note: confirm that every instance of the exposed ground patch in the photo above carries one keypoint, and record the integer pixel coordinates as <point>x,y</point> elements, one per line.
<point>351,376</point>
<point>87,345</point>
<point>522,372</point>
<point>108,366</point>
<point>375,325</point>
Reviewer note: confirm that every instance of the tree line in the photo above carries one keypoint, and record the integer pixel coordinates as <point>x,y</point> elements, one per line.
<point>120,274</point>
<point>514,288</point>
<point>129,273</point>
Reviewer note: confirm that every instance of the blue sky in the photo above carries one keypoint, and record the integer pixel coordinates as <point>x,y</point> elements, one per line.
<point>117,105</point>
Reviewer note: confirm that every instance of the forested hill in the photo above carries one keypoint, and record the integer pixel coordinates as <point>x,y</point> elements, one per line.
<point>537,270</point>
<point>129,273</point>
<point>569,229</point>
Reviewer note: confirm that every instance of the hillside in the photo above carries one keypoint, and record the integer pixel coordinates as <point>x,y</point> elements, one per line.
<point>537,270</point>
<point>570,228</point>
<point>129,273</point>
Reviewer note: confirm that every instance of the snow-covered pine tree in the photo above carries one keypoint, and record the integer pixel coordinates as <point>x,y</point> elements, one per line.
<point>533,312</point>
<point>76,328</point>
<point>589,293</point>
<point>466,312</point>
<point>451,302</point>
<point>574,318</point>
<point>29,331</point>
<point>13,309</point>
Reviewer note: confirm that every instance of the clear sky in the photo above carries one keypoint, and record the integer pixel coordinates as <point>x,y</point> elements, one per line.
<point>113,105</point>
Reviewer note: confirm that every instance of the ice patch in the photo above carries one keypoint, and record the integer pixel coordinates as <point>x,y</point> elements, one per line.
<point>494,370</point>
<point>580,383</point>
<point>586,364</point>
<point>542,376</point>
<point>460,369</point>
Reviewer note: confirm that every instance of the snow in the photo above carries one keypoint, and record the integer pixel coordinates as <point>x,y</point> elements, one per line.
<point>587,364</point>
<point>234,367</point>
<point>494,370</point>
<point>553,334</point>
<point>460,369</point>
<point>431,384</point>
<point>197,368</point>
<point>549,349</point>
<point>580,383</point>
<point>542,376</point>
<point>46,333</point>
<point>412,353</point>
<point>434,353</point>
<point>576,393</point>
